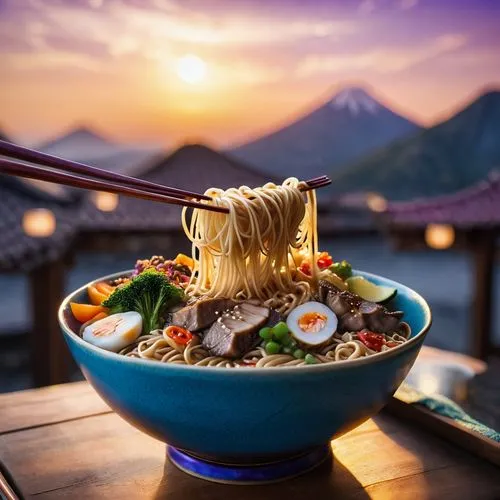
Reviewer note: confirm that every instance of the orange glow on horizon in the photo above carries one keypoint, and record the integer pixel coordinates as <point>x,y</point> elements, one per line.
<point>149,72</point>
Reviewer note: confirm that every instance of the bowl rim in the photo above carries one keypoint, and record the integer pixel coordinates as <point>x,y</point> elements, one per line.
<point>319,367</point>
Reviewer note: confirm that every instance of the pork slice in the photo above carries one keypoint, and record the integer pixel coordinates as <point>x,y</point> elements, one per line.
<point>338,303</point>
<point>324,288</point>
<point>201,314</point>
<point>234,334</point>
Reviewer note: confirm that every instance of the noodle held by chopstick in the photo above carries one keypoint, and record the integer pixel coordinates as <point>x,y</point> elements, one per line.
<point>249,253</point>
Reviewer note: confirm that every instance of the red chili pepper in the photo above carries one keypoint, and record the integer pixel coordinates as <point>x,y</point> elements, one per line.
<point>178,334</point>
<point>391,344</point>
<point>305,268</point>
<point>373,341</point>
<point>324,260</point>
<point>249,363</point>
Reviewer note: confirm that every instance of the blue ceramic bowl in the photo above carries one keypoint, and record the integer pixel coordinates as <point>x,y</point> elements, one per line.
<point>248,415</point>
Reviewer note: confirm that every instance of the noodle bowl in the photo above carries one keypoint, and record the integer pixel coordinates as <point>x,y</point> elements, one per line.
<point>256,292</point>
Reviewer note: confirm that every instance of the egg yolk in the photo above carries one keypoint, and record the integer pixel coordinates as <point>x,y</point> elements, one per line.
<point>312,322</point>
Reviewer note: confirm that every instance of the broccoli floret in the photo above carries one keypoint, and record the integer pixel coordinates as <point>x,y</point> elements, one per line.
<point>149,294</point>
<point>342,269</point>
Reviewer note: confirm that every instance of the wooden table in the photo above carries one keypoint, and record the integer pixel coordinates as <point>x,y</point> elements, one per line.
<point>64,442</point>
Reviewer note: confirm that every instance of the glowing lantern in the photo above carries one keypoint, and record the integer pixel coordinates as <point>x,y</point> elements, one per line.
<point>439,236</point>
<point>105,202</point>
<point>376,202</point>
<point>39,223</point>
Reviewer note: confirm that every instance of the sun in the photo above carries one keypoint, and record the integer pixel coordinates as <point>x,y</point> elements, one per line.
<point>191,69</point>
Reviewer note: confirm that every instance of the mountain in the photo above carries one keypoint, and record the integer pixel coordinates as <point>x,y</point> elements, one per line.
<point>442,159</point>
<point>341,130</point>
<point>77,143</point>
<point>87,146</point>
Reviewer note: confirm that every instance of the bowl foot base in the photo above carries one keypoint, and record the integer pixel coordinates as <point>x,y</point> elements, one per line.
<point>249,474</point>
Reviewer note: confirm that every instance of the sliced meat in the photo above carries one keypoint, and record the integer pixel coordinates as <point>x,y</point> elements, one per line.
<point>201,314</point>
<point>356,314</point>
<point>338,303</point>
<point>351,322</point>
<point>237,331</point>
<point>371,316</point>
<point>274,317</point>
<point>324,287</point>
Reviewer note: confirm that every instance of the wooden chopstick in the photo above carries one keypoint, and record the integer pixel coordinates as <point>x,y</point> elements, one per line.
<point>121,184</point>
<point>316,185</point>
<point>34,172</point>
<point>17,152</point>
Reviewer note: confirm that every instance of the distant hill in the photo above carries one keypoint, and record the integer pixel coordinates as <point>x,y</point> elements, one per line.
<point>341,130</point>
<point>79,142</point>
<point>445,158</point>
<point>87,146</point>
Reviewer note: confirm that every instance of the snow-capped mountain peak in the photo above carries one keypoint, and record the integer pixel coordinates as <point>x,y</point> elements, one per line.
<point>355,99</point>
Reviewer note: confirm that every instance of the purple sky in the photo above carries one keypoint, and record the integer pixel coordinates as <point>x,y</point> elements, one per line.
<point>112,63</point>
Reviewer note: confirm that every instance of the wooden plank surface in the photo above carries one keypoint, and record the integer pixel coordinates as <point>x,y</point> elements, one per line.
<point>97,455</point>
<point>38,407</point>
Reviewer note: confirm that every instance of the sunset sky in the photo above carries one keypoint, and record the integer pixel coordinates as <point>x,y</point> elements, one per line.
<point>162,71</point>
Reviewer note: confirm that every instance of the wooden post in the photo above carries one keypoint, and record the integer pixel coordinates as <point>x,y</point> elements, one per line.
<point>484,256</point>
<point>49,354</point>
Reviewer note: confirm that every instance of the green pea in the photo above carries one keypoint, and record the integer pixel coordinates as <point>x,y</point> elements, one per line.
<point>280,330</point>
<point>299,354</point>
<point>287,340</point>
<point>272,347</point>
<point>266,333</point>
<point>287,350</point>
<point>310,359</point>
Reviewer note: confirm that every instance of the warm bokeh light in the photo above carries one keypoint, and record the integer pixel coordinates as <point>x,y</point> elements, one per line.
<point>191,69</point>
<point>428,383</point>
<point>439,236</point>
<point>376,202</point>
<point>105,202</point>
<point>39,222</point>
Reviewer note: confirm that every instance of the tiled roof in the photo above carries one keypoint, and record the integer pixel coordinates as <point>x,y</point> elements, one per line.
<point>17,250</point>
<point>475,207</point>
<point>192,167</point>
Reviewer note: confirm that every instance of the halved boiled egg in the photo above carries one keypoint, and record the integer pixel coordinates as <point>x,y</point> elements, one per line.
<point>114,332</point>
<point>312,323</point>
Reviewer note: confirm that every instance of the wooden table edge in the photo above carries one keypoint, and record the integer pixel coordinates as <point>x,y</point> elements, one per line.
<point>446,428</point>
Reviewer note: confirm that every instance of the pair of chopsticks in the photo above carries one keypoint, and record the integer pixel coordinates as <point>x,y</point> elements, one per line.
<point>103,180</point>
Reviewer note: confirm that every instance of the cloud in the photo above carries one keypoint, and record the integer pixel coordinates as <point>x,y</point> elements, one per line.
<point>407,4</point>
<point>228,28</point>
<point>52,60</point>
<point>168,21</point>
<point>247,74</point>
<point>481,58</point>
<point>94,31</point>
<point>388,60</point>
<point>366,7</point>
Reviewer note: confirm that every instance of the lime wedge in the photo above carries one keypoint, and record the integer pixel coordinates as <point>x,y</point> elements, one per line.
<point>369,291</point>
